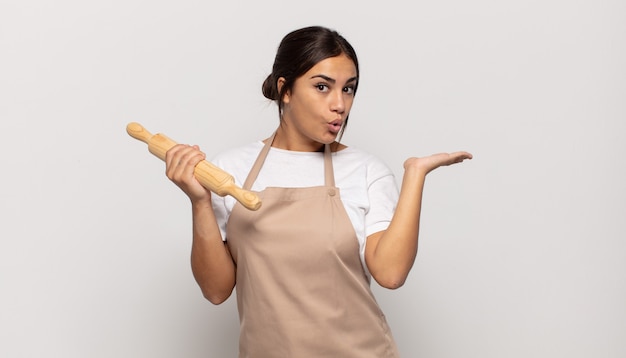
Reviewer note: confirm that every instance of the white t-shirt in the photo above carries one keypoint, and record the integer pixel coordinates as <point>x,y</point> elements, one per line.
<point>367,186</point>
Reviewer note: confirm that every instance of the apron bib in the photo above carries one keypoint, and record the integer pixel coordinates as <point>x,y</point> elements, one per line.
<point>301,288</point>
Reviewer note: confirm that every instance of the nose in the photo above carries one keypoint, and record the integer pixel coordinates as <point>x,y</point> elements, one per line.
<point>338,102</point>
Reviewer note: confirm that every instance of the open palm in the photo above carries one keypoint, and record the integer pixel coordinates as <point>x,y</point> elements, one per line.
<point>429,163</point>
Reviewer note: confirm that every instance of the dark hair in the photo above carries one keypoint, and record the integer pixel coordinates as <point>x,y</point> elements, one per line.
<point>298,52</point>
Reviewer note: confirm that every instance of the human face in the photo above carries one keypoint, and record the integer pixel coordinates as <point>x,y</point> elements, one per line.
<point>317,105</point>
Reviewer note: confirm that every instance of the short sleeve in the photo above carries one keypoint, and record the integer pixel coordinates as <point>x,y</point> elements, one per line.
<point>383,197</point>
<point>221,213</point>
<point>236,162</point>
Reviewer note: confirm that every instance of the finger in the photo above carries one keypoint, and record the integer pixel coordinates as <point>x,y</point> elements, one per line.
<point>191,153</point>
<point>458,157</point>
<point>172,155</point>
<point>464,155</point>
<point>176,160</point>
<point>191,161</point>
<point>188,158</point>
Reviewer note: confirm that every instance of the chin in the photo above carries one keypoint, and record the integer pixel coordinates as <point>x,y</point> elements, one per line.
<point>327,140</point>
<point>329,137</point>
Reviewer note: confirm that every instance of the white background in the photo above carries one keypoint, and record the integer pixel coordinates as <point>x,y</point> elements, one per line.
<point>522,251</point>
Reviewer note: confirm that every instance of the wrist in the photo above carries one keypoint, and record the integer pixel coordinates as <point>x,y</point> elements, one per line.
<point>413,167</point>
<point>201,202</point>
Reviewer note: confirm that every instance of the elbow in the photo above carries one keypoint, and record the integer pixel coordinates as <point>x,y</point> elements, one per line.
<point>391,276</point>
<point>391,280</point>
<point>392,283</point>
<point>216,298</point>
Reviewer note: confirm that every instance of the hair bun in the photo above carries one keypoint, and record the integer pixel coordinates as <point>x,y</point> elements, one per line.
<point>270,91</point>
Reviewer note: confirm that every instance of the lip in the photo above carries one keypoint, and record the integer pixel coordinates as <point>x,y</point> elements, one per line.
<point>335,126</point>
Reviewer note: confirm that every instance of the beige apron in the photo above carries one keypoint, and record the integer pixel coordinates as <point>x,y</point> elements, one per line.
<point>301,288</point>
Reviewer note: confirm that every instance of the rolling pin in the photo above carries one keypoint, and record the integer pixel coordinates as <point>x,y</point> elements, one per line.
<point>210,176</point>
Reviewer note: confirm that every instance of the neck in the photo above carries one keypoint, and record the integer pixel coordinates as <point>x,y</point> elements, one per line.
<point>284,139</point>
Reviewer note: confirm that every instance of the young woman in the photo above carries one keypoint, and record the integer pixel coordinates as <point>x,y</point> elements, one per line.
<point>331,216</point>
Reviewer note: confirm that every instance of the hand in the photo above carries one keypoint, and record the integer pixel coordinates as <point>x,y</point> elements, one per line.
<point>430,163</point>
<point>180,162</point>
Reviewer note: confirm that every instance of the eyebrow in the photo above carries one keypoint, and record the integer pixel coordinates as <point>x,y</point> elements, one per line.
<point>332,80</point>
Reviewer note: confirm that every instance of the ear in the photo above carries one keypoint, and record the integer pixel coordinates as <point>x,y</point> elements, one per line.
<point>279,84</point>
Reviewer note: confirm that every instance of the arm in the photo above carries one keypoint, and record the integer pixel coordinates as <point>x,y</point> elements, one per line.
<point>211,262</point>
<point>390,254</point>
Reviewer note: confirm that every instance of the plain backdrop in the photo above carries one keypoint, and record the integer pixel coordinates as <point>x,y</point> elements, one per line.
<point>522,250</point>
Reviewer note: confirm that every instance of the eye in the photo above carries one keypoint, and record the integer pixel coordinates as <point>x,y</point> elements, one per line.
<point>322,87</point>
<point>348,89</point>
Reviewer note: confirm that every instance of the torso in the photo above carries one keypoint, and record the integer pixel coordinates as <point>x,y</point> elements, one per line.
<point>301,287</point>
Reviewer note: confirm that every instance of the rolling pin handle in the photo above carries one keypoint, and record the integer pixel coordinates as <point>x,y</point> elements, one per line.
<point>137,131</point>
<point>246,198</point>
<point>210,176</point>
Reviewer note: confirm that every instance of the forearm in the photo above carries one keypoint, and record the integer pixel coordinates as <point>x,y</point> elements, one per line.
<point>395,249</point>
<point>390,254</point>
<point>211,263</point>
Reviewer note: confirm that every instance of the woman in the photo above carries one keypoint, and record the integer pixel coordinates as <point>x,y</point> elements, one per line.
<point>302,263</point>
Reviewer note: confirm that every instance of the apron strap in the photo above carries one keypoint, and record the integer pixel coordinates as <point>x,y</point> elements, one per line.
<point>329,176</point>
<point>258,164</point>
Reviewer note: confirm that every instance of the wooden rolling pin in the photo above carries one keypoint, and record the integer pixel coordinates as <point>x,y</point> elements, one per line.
<point>210,176</point>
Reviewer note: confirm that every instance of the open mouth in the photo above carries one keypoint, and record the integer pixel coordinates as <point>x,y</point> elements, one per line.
<point>335,126</point>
